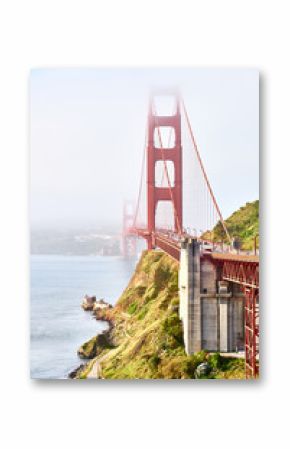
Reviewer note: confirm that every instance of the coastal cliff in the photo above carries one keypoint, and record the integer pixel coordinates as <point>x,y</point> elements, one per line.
<point>145,338</point>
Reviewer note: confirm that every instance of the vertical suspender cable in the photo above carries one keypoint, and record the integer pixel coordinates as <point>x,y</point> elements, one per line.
<point>204,172</point>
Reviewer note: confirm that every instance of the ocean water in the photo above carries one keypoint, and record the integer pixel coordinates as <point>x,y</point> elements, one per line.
<point>58,323</point>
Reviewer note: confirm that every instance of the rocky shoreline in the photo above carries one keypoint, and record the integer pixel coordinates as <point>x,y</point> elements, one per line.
<point>102,311</point>
<point>144,339</point>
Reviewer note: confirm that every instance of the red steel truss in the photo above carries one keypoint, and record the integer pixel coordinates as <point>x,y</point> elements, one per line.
<point>251,332</point>
<point>246,273</point>
<point>242,271</point>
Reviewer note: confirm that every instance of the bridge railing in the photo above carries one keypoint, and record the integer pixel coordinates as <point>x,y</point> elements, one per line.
<point>206,244</point>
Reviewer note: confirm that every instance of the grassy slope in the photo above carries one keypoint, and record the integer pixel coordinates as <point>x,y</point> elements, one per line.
<point>148,335</point>
<point>244,224</point>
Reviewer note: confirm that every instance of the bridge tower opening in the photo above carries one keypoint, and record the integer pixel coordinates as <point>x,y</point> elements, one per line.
<point>158,152</point>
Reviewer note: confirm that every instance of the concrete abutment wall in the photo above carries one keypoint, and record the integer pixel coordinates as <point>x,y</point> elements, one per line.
<point>211,311</point>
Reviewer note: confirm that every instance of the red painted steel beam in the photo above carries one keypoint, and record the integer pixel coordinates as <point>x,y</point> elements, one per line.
<point>170,154</point>
<point>251,332</point>
<point>241,272</point>
<point>168,245</point>
<point>246,274</point>
<point>164,120</point>
<point>171,193</point>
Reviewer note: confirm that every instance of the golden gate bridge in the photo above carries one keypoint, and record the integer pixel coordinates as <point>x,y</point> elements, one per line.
<point>176,203</point>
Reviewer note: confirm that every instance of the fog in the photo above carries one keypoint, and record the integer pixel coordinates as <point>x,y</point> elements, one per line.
<point>87,131</point>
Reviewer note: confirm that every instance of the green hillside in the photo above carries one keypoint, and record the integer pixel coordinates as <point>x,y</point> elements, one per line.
<point>146,339</point>
<point>242,224</point>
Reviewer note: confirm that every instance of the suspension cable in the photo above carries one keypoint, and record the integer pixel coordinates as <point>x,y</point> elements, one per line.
<point>204,172</point>
<point>141,180</point>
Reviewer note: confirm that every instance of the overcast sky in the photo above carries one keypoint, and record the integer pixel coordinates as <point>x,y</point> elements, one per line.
<point>87,130</point>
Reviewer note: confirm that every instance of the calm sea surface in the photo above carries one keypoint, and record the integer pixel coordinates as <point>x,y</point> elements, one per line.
<point>58,323</point>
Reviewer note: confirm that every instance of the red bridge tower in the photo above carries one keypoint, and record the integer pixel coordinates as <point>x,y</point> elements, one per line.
<point>129,240</point>
<point>159,152</point>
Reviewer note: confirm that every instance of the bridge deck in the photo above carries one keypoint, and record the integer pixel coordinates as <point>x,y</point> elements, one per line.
<point>172,247</point>
<point>235,257</point>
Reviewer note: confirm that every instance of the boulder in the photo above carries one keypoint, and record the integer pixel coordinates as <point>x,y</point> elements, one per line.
<point>202,370</point>
<point>88,302</point>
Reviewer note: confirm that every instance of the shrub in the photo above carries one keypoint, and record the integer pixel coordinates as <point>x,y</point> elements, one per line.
<point>154,361</point>
<point>215,360</point>
<point>171,370</point>
<point>151,293</point>
<point>132,308</point>
<point>140,290</point>
<point>173,284</point>
<point>172,327</point>
<point>192,362</point>
<point>142,313</point>
<point>162,275</point>
<point>175,301</point>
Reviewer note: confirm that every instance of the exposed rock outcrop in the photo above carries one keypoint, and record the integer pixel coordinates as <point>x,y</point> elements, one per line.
<point>88,302</point>
<point>93,304</point>
<point>95,345</point>
<point>76,372</point>
<point>145,338</point>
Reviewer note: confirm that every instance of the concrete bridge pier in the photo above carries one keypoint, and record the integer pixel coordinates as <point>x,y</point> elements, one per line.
<point>211,310</point>
<point>189,294</point>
